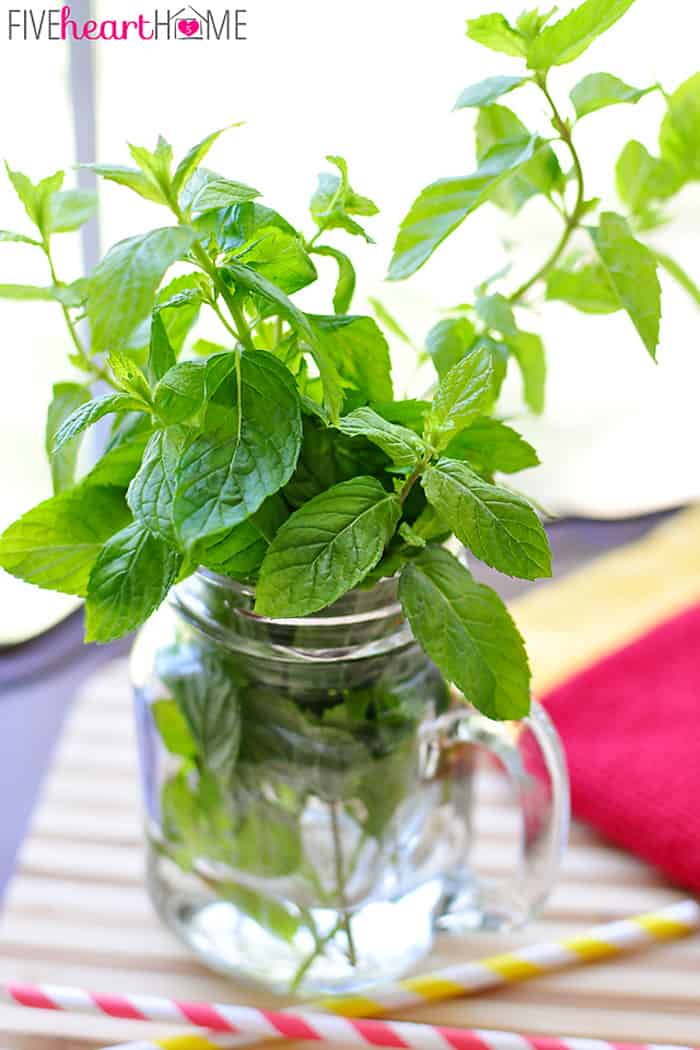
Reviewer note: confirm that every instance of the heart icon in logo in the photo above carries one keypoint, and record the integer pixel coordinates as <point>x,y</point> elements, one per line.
<point>188,26</point>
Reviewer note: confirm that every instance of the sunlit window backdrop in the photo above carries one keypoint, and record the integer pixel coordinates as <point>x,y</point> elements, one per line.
<point>374,82</point>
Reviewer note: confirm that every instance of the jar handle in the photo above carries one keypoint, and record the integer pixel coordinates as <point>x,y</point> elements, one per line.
<point>531,753</point>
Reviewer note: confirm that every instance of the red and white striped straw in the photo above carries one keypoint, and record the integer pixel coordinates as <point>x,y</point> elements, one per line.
<point>304,1025</point>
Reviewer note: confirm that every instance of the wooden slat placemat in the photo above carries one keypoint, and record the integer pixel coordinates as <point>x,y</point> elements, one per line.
<point>77,912</point>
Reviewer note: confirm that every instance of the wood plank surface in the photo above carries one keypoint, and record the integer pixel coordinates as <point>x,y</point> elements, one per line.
<point>77,913</point>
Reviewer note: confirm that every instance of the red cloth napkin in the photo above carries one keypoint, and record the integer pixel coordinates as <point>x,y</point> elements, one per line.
<point>631,729</point>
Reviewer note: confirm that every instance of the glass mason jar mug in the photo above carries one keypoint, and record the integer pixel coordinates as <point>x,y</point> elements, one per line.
<point>309,789</point>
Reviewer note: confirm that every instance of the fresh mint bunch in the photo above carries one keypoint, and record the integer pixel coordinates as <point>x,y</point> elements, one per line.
<point>612,269</point>
<point>278,455</point>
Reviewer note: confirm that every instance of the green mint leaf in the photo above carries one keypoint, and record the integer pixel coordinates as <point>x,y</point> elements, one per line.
<point>240,551</point>
<point>496,313</point>
<point>55,544</point>
<point>178,305</point>
<point>358,351</point>
<point>490,446</point>
<point>36,198</point>
<point>268,913</point>
<point>487,91</point>
<point>86,414</point>
<point>461,396</point>
<point>152,492</point>
<point>531,23</point>
<point>495,127</point>
<point>499,527</point>
<point>128,376</point>
<point>328,457</point>
<point>568,38</point>
<point>68,210</point>
<point>680,129</point>
<point>207,695</point>
<point>443,206</point>
<point>495,32</point>
<point>122,457</point>
<point>528,350</point>
<point>123,285</point>
<point>67,398</point>
<point>186,388</point>
<point>679,274</point>
<point>132,178</point>
<point>409,413</point>
<point>280,257</point>
<point>161,356</point>
<point>631,267</point>
<point>224,477</point>
<point>156,165</point>
<point>17,238</point>
<point>220,193</point>
<point>194,157</point>
<point>73,294</point>
<point>598,90</point>
<point>326,548</point>
<point>345,287</point>
<point>448,341</point>
<point>642,179</point>
<point>465,628</point>
<point>27,293</point>
<point>411,537</point>
<point>131,577</point>
<point>588,289</point>
<point>335,201</point>
<point>402,446</point>
<point>173,729</point>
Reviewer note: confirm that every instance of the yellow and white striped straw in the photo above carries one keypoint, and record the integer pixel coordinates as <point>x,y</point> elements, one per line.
<point>600,942</point>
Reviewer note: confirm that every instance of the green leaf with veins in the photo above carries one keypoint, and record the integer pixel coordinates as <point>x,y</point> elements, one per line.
<point>123,285</point>
<point>156,165</point>
<point>152,491</point>
<point>499,527</point>
<point>465,628</point>
<point>402,446</point>
<point>207,695</point>
<point>67,398</point>
<point>68,210</point>
<point>328,457</point>
<point>122,458</point>
<point>487,91</point>
<point>240,551</point>
<point>128,376</point>
<point>27,293</point>
<point>642,179</point>
<point>130,578</point>
<point>36,198</point>
<point>89,412</point>
<point>461,396</point>
<point>194,157</point>
<point>632,270</point>
<point>347,279</point>
<point>448,341</point>
<point>55,544</point>
<point>335,201</point>
<point>495,32</point>
<point>178,305</point>
<point>358,351</point>
<point>443,206</point>
<point>219,193</point>
<point>161,356</point>
<point>408,413</point>
<point>528,350</point>
<point>680,129</point>
<point>588,289</point>
<point>280,257</point>
<point>225,476</point>
<point>490,446</point>
<point>563,41</point>
<point>496,313</point>
<point>185,390</point>
<point>326,548</point>
<point>599,90</point>
<point>132,178</point>
<point>495,127</point>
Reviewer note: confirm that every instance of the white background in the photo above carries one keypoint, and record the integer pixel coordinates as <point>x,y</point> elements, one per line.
<point>374,81</point>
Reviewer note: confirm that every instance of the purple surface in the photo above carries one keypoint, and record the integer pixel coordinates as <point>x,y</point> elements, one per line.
<point>39,679</point>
